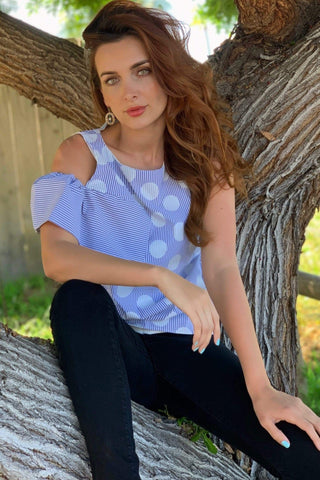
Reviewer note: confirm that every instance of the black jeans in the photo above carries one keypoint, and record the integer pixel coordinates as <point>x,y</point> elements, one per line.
<point>106,363</point>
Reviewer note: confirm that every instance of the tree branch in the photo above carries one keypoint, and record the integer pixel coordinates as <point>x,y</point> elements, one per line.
<point>278,20</point>
<point>40,435</point>
<point>47,69</point>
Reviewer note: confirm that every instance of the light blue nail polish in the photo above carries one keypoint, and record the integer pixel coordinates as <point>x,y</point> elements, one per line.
<point>218,342</point>
<point>285,444</point>
<point>201,351</point>
<point>195,349</point>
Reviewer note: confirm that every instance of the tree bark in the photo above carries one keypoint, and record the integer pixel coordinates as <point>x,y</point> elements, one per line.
<point>277,20</point>
<point>40,436</point>
<point>276,108</point>
<point>48,70</point>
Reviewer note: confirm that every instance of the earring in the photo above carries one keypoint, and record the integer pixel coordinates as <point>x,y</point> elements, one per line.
<point>110,118</point>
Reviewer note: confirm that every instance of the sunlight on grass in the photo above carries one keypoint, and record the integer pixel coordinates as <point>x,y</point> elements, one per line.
<point>308,315</point>
<point>308,309</point>
<point>25,304</point>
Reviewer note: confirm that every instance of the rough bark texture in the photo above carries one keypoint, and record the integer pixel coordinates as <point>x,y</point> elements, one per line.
<point>40,436</point>
<point>276,108</point>
<point>47,69</point>
<point>277,20</point>
<point>274,94</point>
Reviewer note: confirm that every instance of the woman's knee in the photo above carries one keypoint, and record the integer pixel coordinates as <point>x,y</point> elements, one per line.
<point>78,300</point>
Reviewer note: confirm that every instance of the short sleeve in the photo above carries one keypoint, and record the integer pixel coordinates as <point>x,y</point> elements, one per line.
<point>58,198</point>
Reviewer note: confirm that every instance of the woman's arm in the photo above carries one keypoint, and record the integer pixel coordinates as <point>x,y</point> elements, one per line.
<point>62,257</point>
<point>222,278</point>
<point>224,284</point>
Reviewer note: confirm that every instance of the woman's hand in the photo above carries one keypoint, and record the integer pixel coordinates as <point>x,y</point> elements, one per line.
<point>272,406</point>
<point>194,302</point>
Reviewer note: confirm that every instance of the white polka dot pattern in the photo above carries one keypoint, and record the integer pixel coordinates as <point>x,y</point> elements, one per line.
<point>124,291</point>
<point>150,190</point>
<point>98,185</point>
<point>128,172</point>
<point>135,214</point>
<point>144,301</point>
<point>171,203</point>
<point>158,248</point>
<point>178,231</point>
<point>158,219</point>
<point>174,262</point>
<point>119,181</point>
<point>184,330</point>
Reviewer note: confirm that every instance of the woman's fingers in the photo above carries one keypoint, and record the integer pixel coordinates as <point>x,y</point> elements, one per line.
<point>274,406</point>
<point>205,324</point>
<point>276,433</point>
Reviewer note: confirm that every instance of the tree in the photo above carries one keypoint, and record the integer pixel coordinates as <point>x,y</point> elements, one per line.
<point>223,13</point>
<point>8,5</point>
<point>40,436</point>
<point>270,74</point>
<point>76,14</point>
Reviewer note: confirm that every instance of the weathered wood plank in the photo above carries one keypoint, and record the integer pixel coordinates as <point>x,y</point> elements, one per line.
<point>309,285</point>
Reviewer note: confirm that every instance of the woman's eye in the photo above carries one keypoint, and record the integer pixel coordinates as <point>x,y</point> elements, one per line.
<point>144,71</point>
<point>111,81</point>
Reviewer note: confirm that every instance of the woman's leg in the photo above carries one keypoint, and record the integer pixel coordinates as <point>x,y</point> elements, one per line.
<point>210,390</point>
<point>104,363</point>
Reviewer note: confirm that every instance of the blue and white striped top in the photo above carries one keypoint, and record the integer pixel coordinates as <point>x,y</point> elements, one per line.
<point>131,214</point>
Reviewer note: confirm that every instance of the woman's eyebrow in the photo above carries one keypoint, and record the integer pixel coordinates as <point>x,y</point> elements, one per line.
<point>135,65</point>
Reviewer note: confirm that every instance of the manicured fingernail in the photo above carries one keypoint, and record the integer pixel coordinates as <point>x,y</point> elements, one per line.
<point>285,444</point>
<point>195,349</point>
<point>201,351</point>
<point>218,342</point>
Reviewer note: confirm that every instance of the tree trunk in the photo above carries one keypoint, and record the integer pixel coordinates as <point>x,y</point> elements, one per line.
<point>274,93</point>
<point>40,437</point>
<point>276,107</point>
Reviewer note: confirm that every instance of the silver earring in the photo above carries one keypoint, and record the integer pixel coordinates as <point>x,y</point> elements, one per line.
<point>110,118</point>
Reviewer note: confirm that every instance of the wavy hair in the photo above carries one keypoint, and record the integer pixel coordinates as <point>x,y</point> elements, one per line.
<point>199,148</point>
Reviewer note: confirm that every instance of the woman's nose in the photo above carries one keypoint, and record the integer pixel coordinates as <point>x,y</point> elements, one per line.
<point>130,91</point>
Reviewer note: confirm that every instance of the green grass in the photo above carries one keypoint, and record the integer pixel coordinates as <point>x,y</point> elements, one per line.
<point>311,373</point>
<point>25,304</point>
<point>308,314</point>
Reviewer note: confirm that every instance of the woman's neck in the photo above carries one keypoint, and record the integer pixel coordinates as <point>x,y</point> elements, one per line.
<point>142,149</point>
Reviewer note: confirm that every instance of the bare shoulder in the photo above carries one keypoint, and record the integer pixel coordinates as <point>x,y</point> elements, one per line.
<point>74,157</point>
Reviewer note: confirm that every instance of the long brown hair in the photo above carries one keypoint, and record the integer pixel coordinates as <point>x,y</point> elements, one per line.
<point>199,149</point>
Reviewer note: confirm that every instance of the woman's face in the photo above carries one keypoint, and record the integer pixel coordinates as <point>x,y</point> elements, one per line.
<point>128,85</point>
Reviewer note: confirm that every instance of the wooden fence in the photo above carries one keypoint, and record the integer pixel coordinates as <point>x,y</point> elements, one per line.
<point>29,137</point>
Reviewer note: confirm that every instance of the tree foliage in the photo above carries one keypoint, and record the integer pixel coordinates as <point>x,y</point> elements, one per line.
<point>76,14</point>
<point>223,13</point>
<point>8,6</point>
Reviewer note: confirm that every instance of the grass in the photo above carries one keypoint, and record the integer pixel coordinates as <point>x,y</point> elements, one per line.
<point>308,314</point>
<point>25,304</point>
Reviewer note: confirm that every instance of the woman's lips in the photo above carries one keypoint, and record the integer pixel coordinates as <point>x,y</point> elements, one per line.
<point>135,111</point>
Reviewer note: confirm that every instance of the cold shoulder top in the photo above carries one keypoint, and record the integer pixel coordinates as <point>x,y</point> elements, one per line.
<point>131,214</point>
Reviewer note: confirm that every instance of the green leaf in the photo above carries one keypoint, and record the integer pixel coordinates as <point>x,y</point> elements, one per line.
<point>209,444</point>
<point>196,436</point>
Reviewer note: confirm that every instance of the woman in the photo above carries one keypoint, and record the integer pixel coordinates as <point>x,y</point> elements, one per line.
<point>137,220</point>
